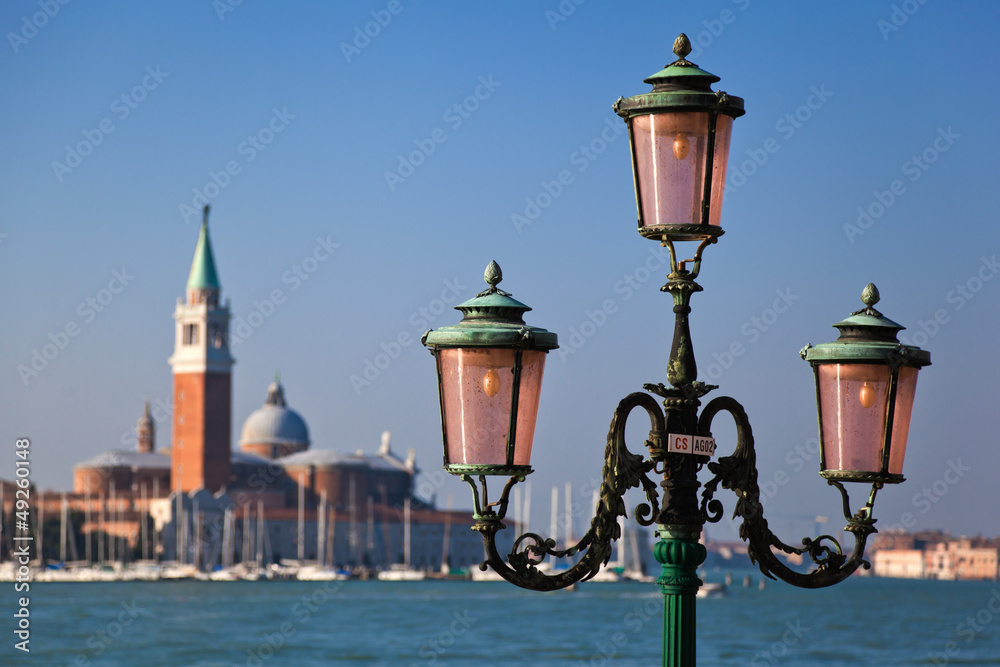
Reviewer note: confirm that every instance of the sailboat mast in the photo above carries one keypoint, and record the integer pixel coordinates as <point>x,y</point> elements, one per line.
<point>321,530</point>
<point>260,533</point>
<point>554,517</point>
<point>179,542</point>
<point>302,518</point>
<point>406,533</point>
<point>40,515</point>
<point>332,530</point>
<point>231,553</point>
<point>445,568</point>
<point>62,529</point>
<point>622,542</point>
<point>355,549</point>
<point>226,537</point>
<point>569,514</point>
<point>370,530</point>
<point>196,519</point>
<point>112,521</point>
<point>101,532</point>
<point>517,510</point>
<point>86,522</point>
<point>156,535</point>
<point>246,533</point>
<point>636,560</point>
<point>143,527</point>
<point>526,517</point>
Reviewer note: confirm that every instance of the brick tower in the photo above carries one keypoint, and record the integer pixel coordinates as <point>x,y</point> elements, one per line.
<point>202,367</point>
<point>146,431</point>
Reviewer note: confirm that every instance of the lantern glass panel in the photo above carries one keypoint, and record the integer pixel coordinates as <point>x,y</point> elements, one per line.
<point>532,368</point>
<point>906,388</point>
<point>477,386</point>
<point>852,400</point>
<point>670,153</point>
<point>723,131</point>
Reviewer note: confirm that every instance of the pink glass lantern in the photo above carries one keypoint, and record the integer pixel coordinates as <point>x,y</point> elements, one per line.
<point>490,368</point>
<point>865,385</point>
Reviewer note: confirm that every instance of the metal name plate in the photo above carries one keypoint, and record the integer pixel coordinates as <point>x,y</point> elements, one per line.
<point>678,443</point>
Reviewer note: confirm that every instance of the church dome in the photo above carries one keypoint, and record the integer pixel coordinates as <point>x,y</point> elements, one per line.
<point>274,430</point>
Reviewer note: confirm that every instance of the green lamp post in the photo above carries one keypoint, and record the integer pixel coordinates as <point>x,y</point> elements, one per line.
<point>490,371</point>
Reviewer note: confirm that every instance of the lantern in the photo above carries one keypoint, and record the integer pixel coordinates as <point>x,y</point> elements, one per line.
<point>490,368</point>
<point>865,384</point>
<point>679,134</point>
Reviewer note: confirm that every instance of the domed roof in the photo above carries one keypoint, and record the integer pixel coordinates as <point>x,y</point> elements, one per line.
<point>275,424</point>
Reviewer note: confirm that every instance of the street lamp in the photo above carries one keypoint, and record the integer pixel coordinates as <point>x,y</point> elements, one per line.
<point>490,371</point>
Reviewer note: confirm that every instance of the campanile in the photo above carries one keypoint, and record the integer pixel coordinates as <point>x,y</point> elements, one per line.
<point>202,367</point>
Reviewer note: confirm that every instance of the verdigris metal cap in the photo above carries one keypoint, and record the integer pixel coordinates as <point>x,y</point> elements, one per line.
<point>492,319</point>
<point>680,86</point>
<point>867,335</point>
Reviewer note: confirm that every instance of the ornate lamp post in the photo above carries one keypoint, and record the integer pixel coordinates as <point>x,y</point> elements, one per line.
<point>490,371</point>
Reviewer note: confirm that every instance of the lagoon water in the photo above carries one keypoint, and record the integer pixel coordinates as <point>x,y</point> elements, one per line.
<point>305,624</point>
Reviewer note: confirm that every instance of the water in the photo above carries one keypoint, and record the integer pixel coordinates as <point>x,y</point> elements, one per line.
<point>303,624</point>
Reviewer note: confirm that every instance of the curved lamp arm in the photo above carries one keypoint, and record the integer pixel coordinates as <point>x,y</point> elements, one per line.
<point>623,470</point>
<point>739,473</point>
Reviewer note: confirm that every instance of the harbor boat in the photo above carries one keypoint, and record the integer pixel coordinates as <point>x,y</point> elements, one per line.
<point>321,573</point>
<point>607,575</point>
<point>141,571</point>
<point>485,575</point>
<point>403,571</point>
<point>177,571</point>
<point>282,572</point>
<point>710,591</point>
<point>635,573</point>
<point>225,574</point>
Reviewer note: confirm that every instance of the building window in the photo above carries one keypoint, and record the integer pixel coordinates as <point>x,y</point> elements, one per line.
<point>180,395</point>
<point>190,334</point>
<point>180,443</point>
<point>180,419</point>
<point>217,336</point>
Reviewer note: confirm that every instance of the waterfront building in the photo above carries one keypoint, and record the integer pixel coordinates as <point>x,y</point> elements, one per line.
<point>200,501</point>
<point>899,563</point>
<point>936,555</point>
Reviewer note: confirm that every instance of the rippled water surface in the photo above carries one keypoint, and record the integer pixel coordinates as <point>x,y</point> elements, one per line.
<point>304,624</point>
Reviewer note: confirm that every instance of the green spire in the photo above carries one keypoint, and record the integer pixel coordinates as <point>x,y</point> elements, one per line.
<point>203,275</point>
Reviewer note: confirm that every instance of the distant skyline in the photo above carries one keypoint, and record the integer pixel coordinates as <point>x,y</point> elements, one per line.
<point>365,161</point>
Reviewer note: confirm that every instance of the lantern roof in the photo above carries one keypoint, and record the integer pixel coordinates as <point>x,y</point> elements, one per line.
<point>868,323</point>
<point>682,70</point>
<point>493,318</point>
<point>868,336</point>
<point>680,86</point>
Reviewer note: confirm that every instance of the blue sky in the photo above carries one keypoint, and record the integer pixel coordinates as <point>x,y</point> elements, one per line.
<point>403,158</point>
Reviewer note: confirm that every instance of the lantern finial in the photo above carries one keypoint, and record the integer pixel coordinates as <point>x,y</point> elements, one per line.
<point>682,47</point>
<point>493,276</point>
<point>869,297</point>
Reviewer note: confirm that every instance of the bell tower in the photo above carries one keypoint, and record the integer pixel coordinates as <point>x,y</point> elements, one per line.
<point>146,431</point>
<point>202,367</point>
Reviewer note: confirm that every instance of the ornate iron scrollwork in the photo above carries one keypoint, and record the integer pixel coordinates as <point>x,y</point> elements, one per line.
<point>623,470</point>
<point>738,473</point>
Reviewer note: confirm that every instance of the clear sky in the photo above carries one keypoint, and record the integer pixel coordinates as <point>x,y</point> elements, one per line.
<point>366,180</point>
